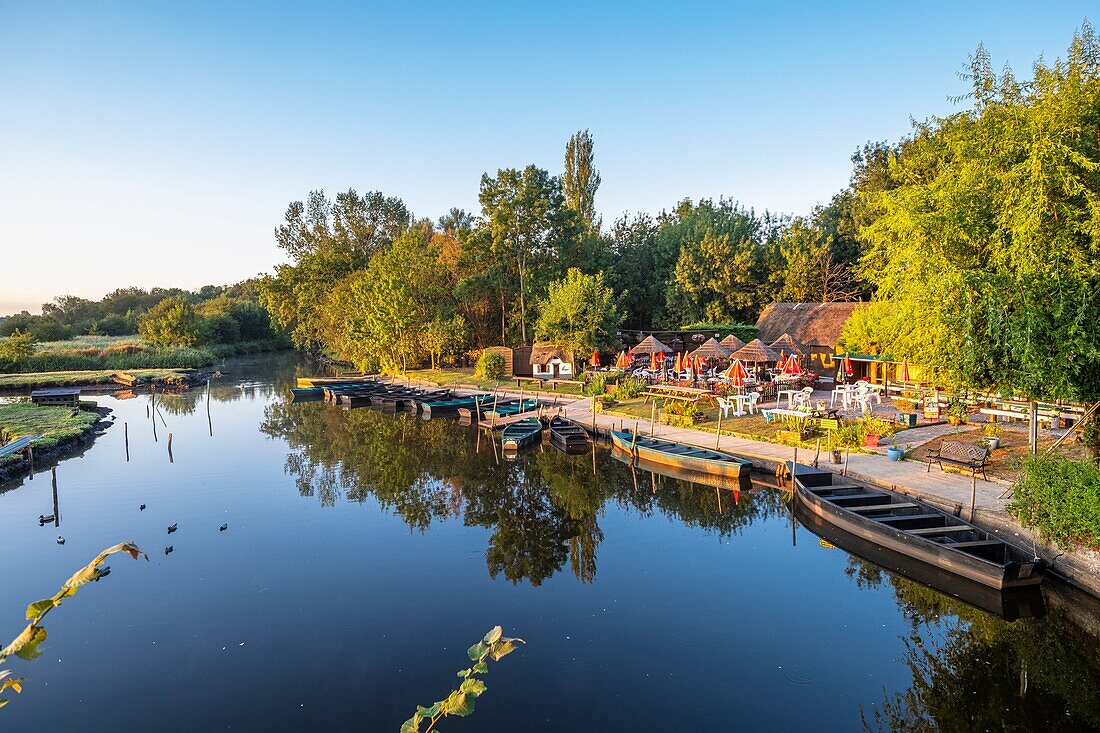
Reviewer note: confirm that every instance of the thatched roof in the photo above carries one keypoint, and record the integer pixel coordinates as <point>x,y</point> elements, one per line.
<point>732,343</point>
<point>711,349</point>
<point>812,324</point>
<point>787,344</point>
<point>650,345</point>
<point>756,351</point>
<point>543,354</point>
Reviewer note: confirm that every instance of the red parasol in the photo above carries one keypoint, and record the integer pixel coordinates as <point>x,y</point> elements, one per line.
<point>903,373</point>
<point>737,373</point>
<point>791,367</point>
<point>629,356</point>
<point>782,360</point>
<point>595,359</point>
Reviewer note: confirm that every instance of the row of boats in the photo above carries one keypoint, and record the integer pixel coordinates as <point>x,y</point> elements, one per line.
<point>941,543</point>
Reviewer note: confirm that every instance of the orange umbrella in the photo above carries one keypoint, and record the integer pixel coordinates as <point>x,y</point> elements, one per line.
<point>903,373</point>
<point>679,363</point>
<point>847,365</point>
<point>792,367</point>
<point>737,373</point>
<point>620,361</point>
<point>689,366</point>
<point>653,362</point>
<point>782,360</point>
<point>629,355</point>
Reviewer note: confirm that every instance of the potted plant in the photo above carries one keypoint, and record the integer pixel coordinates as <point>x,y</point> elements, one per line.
<point>992,435</point>
<point>955,412</point>
<point>896,452</point>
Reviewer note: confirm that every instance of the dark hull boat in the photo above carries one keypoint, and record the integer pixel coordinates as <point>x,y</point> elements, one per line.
<point>396,400</point>
<point>307,394</point>
<point>447,408</point>
<point>568,436</point>
<point>507,408</point>
<point>521,434</point>
<point>916,529</point>
<point>689,457</point>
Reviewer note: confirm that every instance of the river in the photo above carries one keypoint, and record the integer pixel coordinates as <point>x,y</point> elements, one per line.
<point>365,552</point>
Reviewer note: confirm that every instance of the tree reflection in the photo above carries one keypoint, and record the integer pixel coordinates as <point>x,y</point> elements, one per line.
<point>973,671</point>
<point>542,510</point>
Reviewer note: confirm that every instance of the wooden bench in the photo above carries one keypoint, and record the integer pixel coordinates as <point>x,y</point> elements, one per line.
<point>520,380</point>
<point>965,455</point>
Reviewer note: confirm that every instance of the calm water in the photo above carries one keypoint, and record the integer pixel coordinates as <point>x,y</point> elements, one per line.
<point>365,552</point>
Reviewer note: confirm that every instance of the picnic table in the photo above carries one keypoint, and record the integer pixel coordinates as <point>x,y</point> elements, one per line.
<point>668,391</point>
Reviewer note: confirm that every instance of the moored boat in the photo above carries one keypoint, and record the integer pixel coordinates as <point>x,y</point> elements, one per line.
<point>690,457</point>
<point>916,529</point>
<point>521,434</point>
<point>445,408</point>
<point>567,435</point>
<point>307,394</point>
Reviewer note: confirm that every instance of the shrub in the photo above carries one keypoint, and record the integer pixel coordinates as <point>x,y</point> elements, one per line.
<point>171,322</point>
<point>1060,498</point>
<point>490,365</point>
<point>848,435</point>
<point>17,347</point>
<point>596,386</point>
<point>744,331</point>
<point>629,388</point>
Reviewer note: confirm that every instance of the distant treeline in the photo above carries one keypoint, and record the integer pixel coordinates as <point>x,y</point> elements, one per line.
<point>231,314</point>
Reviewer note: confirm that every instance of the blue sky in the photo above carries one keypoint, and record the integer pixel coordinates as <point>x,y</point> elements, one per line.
<point>159,143</point>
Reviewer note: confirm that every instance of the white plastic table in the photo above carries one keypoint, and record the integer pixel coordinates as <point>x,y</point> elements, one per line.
<point>790,397</point>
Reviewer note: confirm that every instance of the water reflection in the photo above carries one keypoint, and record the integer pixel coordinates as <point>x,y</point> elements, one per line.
<point>542,509</point>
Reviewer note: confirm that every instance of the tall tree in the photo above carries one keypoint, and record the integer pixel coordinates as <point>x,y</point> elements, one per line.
<point>528,223</point>
<point>579,312</point>
<point>581,179</point>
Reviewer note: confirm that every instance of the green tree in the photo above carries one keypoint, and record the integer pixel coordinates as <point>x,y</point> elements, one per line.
<point>994,230</point>
<point>580,312</point>
<point>581,180</point>
<point>17,347</point>
<point>171,322</point>
<point>813,273</point>
<point>527,224</point>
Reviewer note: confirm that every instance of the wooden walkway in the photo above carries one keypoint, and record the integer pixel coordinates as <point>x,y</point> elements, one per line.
<point>17,446</point>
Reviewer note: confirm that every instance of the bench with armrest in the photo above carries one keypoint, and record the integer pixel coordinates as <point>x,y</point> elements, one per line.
<point>965,455</point>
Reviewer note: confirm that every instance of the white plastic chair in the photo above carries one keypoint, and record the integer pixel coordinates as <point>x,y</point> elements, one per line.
<point>754,397</point>
<point>725,405</point>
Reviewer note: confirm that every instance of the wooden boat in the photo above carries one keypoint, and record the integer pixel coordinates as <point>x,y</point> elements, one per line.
<point>917,529</point>
<point>690,457</point>
<point>521,434</point>
<point>399,399</point>
<point>566,435</point>
<point>505,408</point>
<point>445,408</point>
<point>307,394</point>
<point>332,381</point>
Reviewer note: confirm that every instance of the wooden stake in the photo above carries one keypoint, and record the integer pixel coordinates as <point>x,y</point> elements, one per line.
<point>126,436</point>
<point>170,458</point>
<point>56,512</point>
<point>718,438</point>
<point>652,417</point>
<point>973,493</point>
<point>794,468</point>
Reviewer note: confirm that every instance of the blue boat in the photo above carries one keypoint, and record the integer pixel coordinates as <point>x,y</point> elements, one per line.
<point>521,434</point>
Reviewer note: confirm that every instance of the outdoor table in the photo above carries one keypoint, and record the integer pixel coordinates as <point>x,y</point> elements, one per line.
<point>741,399</point>
<point>790,396</point>
<point>845,391</point>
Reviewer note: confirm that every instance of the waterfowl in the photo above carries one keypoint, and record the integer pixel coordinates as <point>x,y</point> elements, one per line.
<point>223,527</point>
<point>60,540</point>
<point>45,519</point>
<point>172,529</point>
<point>168,550</point>
<point>141,508</point>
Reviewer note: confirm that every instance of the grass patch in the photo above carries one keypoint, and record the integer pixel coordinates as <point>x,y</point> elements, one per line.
<point>1061,498</point>
<point>127,353</point>
<point>85,378</point>
<point>54,424</point>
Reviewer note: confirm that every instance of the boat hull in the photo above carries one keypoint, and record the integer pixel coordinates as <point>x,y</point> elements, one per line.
<point>522,434</point>
<point>1011,574</point>
<point>701,464</point>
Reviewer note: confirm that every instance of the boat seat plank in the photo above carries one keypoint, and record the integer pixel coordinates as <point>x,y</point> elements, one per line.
<point>882,507</point>
<point>943,530</point>
<point>907,517</point>
<point>973,544</point>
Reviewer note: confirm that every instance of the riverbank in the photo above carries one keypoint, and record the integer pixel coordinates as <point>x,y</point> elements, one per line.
<point>61,430</point>
<point>100,378</point>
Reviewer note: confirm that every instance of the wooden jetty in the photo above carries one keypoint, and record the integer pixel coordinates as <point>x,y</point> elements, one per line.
<point>690,457</point>
<point>915,528</point>
<point>64,397</point>
<point>18,445</point>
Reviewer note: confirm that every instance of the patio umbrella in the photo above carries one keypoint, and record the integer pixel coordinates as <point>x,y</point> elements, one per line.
<point>732,343</point>
<point>847,366</point>
<point>653,361</point>
<point>792,367</point>
<point>629,356</point>
<point>903,372</point>
<point>711,349</point>
<point>737,373</point>
<point>679,363</point>
<point>782,360</point>
<point>756,352</point>
<point>595,359</point>
<point>650,345</point>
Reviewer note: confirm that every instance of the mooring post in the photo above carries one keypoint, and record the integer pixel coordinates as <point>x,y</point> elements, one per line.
<point>973,494</point>
<point>56,511</point>
<point>170,458</point>
<point>652,417</point>
<point>126,437</point>
<point>794,467</point>
<point>718,438</point>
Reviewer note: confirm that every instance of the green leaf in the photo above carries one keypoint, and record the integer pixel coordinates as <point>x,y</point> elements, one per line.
<point>481,667</point>
<point>478,650</point>
<point>37,608</point>
<point>504,648</point>
<point>412,725</point>
<point>466,672</point>
<point>428,712</point>
<point>472,686</point>
<point>4,702</point>
<point>462,704</point>
<point>493,635</point>
<point>29,648</point>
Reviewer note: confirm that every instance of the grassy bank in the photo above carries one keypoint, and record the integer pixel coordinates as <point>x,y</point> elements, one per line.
<point>1061,498</point>
<point>129,353</point>
<point>34,380</point>
<point>54,424</point>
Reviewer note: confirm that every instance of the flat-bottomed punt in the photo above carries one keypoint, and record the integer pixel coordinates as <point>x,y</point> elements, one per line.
<point>566,435</point>
<point>690,457</point>
<point>917,529</point>
<point>521,434</point>
<point>446,408</point>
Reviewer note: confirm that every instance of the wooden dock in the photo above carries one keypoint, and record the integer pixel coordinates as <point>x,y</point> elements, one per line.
<point>66,397</point>
<point>502,422</point>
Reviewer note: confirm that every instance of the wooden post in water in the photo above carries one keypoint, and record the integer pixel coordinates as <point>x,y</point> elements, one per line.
<point>794,467</point>
<point>170,458</point>
<point>209,421</point>
<point>30,458</point>
<point>594,431</point>
<point>56,511</point>
<point>126,436</point>
<point>973,494</point>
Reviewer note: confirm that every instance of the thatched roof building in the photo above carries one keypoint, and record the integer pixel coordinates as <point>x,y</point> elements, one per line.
<point>787,344</point>
<point>650,345</point>
<point>732,343</point>
<point>711,349</point>
<point>543,354</point>
<point>813,324</point>
<point>756,352</point>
